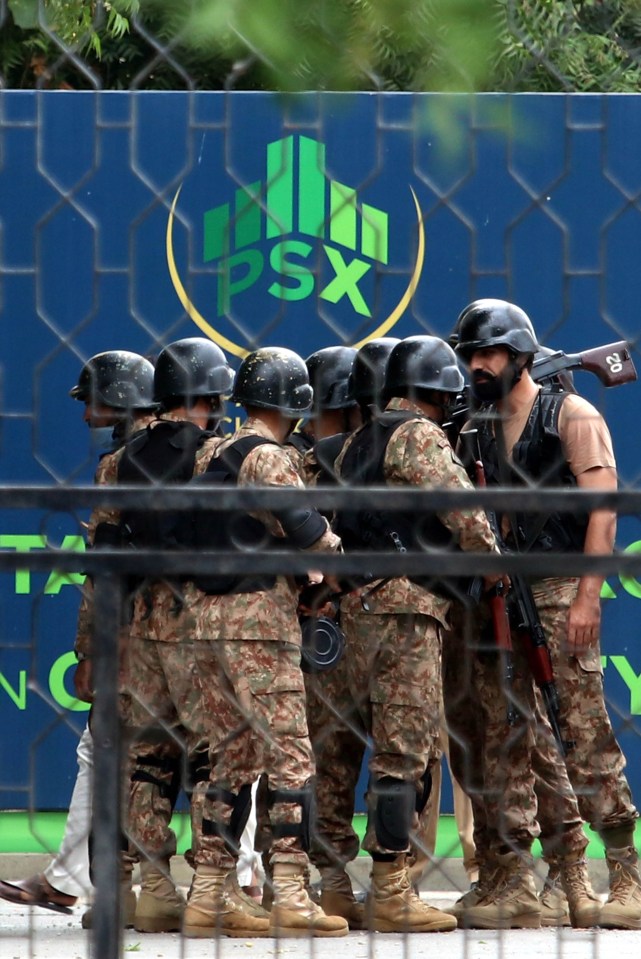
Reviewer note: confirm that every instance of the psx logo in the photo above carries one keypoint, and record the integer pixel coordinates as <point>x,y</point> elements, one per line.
<point>276,228</point>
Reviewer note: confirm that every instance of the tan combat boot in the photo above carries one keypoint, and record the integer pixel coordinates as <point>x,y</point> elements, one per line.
<point>212,911</point>
<point>160,905</point>
<point>623,908</point>
<point>393,905</point>
<point>293,912</point>
<point>241,899</point>
<point>337,897</point>
<point>554,903</point>
<point>584,906</point>
<point>477,891</point>
<point>512,902</point>
<point>128,901</point>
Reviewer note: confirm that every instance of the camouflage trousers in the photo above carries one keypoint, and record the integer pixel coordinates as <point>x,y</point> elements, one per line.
<point>254,703</point>
<point>167,748</point>
<point>514,774</point>
<point>339,744</point>
<point>394,670</point>
<point>595,762</point>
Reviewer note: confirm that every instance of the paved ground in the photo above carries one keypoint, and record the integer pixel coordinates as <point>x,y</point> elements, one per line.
<point>39,934</point>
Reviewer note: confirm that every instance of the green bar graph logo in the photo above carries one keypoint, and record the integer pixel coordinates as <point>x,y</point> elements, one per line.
<point>300,231</point>
<point>295,201</point>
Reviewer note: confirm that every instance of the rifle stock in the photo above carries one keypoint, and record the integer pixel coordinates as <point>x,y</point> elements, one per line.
<point>611,363</point>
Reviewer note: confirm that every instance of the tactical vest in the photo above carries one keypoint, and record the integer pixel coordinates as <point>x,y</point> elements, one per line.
<point>225,531</point>
<point>363,529</point>
<point>326,452</point>
<point>301,441</point>
<point>538,460</point>
<point>158,455</point>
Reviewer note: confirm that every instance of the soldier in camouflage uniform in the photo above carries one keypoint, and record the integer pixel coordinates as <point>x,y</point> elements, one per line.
<point>338,745</point>
<point>394,627</point>
<point>165,712</point>
<point>248,660</point>
<point>559,439</point>
<point>117,389</point>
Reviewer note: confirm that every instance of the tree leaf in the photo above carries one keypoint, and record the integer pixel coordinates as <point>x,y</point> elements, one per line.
<point>24,13</point>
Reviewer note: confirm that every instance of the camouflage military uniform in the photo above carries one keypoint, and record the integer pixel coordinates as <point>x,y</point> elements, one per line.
<point>595,763</point>
<point>394,662</point>
<point>248,661</point>
<point>337,741</point>
<point>164,711</point>
<point>514,776</point>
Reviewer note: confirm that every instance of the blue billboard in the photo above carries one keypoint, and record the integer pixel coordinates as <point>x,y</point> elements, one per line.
<point>129,220</point>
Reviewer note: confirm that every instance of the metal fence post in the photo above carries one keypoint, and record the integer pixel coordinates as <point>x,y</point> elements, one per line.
<point>107,794</point>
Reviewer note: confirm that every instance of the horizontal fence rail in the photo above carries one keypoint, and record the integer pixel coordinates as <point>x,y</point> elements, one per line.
<point>286,560</point>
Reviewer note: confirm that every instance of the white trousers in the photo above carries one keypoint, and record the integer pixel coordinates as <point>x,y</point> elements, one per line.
<point>68,871</point>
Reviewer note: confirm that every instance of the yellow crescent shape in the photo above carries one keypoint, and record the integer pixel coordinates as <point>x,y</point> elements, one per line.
<point>188,306</point>
<point>236,350</point>
<point>398,311</point>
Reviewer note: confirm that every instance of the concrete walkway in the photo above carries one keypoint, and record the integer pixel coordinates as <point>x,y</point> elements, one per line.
<point>40,934</point>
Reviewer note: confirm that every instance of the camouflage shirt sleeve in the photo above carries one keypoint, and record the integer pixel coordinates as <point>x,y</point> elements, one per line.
<point>106,475</point>
<point>271,465</point>
<point>419,454</point>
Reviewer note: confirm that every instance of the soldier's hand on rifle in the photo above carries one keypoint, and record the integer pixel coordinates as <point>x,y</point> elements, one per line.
<point>491,582</point>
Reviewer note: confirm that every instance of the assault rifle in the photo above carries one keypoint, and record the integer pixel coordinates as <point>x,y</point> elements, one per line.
<point>612,364</point>
<point>496,597</point>
<point>518,613</point>
<point>526,622</point>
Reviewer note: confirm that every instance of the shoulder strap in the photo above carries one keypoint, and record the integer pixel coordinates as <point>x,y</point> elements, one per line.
<point>234,455</point>
<point>363,461</point>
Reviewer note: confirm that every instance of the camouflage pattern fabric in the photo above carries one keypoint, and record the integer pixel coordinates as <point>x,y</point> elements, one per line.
<point>514,775</point>
<point>595,764</point>
<point>338,740</point>
<point>253,692</point>
<point>393,667</point>
<point>166,720</point>
<point>166,713</point>
<point>248,655</point>
<point>393,630</point>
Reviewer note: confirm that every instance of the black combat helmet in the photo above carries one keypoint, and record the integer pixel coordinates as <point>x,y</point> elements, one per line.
<point>368,373</point>
<point>422,363</point>
<point>274,378</point>
<point>494,323</point>
<point>329,371</point>
<point>191,368</point>
<point>118,379</point>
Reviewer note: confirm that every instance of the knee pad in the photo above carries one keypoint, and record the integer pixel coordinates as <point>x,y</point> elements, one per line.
<point>305,797</point>
<point>167,778</point>
<point>425,788</point>
<point>394,802</point>
<point>240,804</point>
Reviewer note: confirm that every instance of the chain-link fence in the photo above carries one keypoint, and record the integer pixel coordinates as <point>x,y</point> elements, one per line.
<point>134,216</point>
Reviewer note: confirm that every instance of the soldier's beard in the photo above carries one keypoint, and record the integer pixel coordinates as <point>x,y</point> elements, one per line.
<point>488,388</point>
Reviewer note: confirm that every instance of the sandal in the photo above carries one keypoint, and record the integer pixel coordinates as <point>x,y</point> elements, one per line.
<point>36,891</point>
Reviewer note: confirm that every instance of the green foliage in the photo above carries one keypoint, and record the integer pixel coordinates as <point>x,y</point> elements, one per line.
<point>414,45</point>
<point>553,45</point>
